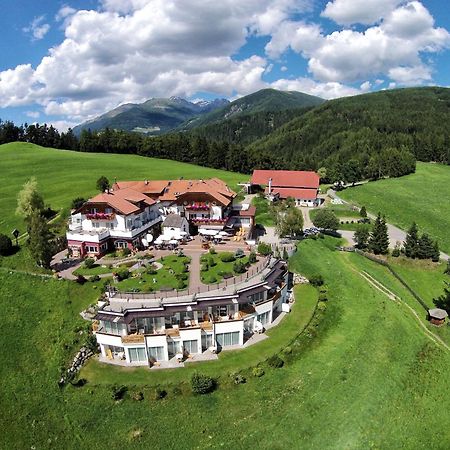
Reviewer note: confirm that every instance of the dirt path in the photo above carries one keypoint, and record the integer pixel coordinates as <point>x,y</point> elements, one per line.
<point>383,289</point>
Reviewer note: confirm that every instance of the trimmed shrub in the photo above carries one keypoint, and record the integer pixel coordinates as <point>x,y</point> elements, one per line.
<point>287,350</point>
<point>151,271</point>
<point>275,361</point>
<point>202,384</point>
<point>323,297</point>
<point>227,257</point>
<point>137,396</point>
<point>239,267</point>
<point>5,245</point>
<point>213,279</point>
<point>316,280</point>
<point>94,278</point>
<point>181,285</point>
<point>204,267</point>
<point>239,379</point>
<point>239,253</point>
<point>264,249</point>
<point>89,263</point>
<point>118,392</point>
<point>123,274</point>
<point>396,252</point>
<point>160,393</point>
<point>211,262</point>
<point>212,251</point>
<point>80,279</point>
<point>125,251</point>
<point>252,258</point>
<point>258,372</point>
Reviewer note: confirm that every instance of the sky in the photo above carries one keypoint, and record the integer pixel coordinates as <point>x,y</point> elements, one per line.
<point>65,62</point>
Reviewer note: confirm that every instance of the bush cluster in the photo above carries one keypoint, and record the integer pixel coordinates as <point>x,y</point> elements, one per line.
<point>202,384</point>
<point>239,267</point>
<point>5,245</point>
<point>227,257</point>
<point>264,249</point>
<point>275,361</point>
<point>89,263</point>
<point>118,392</point>
<point>316,280</point>
<point>258,372</point>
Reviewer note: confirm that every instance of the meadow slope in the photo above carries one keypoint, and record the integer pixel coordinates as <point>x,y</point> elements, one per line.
<point>423,197</point>
<point>63,175</point>
<point>365,376</point>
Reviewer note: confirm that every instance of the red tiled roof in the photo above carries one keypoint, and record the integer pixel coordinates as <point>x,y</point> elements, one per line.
<point>301,194</point>
<point>287,178</point>
<point>122,200</point>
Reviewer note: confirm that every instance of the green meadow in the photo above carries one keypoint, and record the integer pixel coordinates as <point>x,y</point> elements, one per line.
<point>363,374</point>
<point>423,197</point>
<point>63,175</point>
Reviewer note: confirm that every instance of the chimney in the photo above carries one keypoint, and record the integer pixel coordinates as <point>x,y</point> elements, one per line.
<point>270,186</point>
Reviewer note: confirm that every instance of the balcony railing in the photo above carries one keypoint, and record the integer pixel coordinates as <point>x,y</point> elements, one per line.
<point>100,216</point>
<point>133,339</point>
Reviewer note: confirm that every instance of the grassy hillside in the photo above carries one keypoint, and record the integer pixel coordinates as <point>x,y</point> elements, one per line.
<point>422,197</point>
<point>63,175</point>
<point>367,370</point>
<point>361,126</point>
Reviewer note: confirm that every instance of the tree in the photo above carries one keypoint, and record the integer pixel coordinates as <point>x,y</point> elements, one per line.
<point>39,240</point>
<point>436,256</point>
<point>363,212</point>
<point>322,172</point>
<point>29,199</point>
<point>361,235</point>
<point>425,248</point>
<point>77,202</point>
<point>5,245</point>
<point>443,301</point>
<point>326,219</point>
<point>411,244</point>
<point>447,269</point>
<point>103,184</point>
<point>289,221</point>
<point>379,238</point>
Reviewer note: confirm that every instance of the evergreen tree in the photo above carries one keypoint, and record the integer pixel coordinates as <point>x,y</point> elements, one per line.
<point>425,248</point>
<point>411,244</point>
<point>103,184</point>
<point>361,235</point>
<point>39,240</point>
<point>379,238</point>
<point>443,301</point>
<point>436,256</point>
<point>363,212</point>
<point>447,269</point>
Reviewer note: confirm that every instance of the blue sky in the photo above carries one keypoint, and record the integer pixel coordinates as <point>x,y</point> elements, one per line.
<point>65,62</point>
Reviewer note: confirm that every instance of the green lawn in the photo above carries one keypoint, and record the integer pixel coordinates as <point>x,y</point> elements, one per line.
<point>218,268</point>
<point>96,269</point>
<point>165,277</point>
<point>263,215</point>
<point>363,376</point>
<point>422,197</point>
<point>63,175</point>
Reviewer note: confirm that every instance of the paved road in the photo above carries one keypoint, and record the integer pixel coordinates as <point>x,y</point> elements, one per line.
<point>395,234</point>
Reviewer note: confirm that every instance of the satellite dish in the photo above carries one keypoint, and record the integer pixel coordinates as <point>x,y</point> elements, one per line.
<point>149,238</point>
<point>144,242</point>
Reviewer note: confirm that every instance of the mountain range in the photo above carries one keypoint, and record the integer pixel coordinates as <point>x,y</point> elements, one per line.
<point>162,115</point>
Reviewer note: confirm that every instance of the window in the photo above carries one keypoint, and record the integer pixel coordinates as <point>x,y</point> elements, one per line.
<point>173,347</point>
<point>104,246</point>
<point>225,339</point>
<point>264,317</point>
<point>112,327</point>
<point>108,210</point>
<point>258,297</point>
<point>120,244</point>
<point>91,249</point>
<point>94,211</point>
<point>191,346</point>
<point>156,352</point>
<point>207,341</point>
<point>96,224</point>
<point>137,354</point>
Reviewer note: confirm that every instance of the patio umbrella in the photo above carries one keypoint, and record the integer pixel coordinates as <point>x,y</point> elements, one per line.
<point>158,240</point>
<point>149,238</point>
<point>173,242</point>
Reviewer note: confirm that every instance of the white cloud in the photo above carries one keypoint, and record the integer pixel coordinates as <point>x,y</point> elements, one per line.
<point>366,12</point>
<point>131,50</point>
<point>326,90</point>
<point>405,34</point>
<point>283,69</point>
<point>37,28</point>
<point>32,114</point>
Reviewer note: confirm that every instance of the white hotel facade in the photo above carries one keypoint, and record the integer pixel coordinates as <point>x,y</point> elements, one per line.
<point>138,330</point>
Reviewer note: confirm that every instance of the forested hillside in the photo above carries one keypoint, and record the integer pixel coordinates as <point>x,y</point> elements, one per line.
<point>369,135</point>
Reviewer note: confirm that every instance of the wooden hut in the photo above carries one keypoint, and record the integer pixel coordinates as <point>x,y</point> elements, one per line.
<point>437,316</point>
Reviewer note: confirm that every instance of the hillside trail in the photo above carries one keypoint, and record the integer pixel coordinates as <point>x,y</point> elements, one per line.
<point>388,293</point>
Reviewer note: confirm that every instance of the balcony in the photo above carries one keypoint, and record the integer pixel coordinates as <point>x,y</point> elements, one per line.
<point>134,230</point>
<point>95,236</point>
<point>100,216</point>
<point>198,206</point>
<point>133,339</point>
<point>208,221</point>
